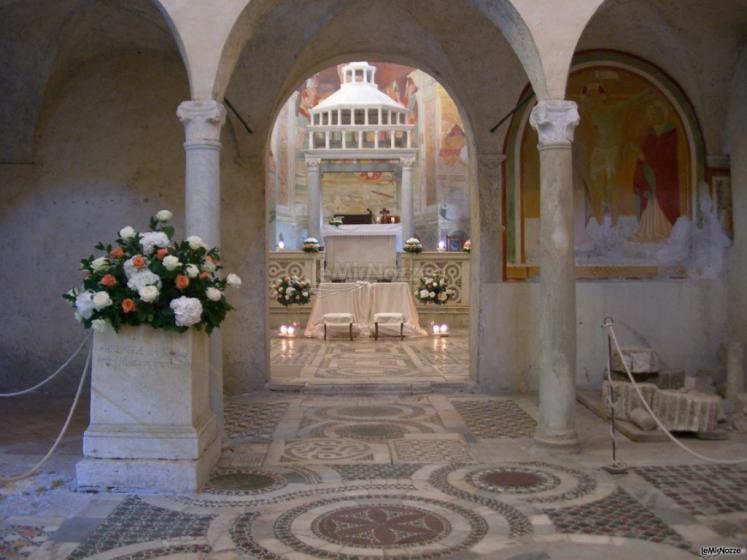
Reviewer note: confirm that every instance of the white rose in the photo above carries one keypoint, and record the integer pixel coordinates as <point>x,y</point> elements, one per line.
<point>305,294</point>
<point>100,264</point>
<point>151,239</point>
<point>99,325</point>
<point>423,294</point>
<point>164,215</point>
<point>127,232</point>
<point>213,294</point>
<point>233,280</point>
<point>432,294</point>
<point>101,300</point>
<point>148,293</point>
<point>84,304</point>
<point>171,262</point>
<point>143,278</point>
<point>195,242</point>
<point>187,311</point>
<point>192,270</point>
<point>208,265</point>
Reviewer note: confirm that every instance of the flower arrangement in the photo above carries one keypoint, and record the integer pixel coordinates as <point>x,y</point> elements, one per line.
<point>413,245</point>
<point>433,288</point>
<point>467,246</point>
<point>335,221</point>
<point>290,290</point>
<point>311,245</point>
<point>149,279</point>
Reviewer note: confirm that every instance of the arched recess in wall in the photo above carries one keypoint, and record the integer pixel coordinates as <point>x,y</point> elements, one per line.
<point>639,169</point>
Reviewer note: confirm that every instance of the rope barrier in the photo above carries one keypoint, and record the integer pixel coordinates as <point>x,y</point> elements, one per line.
<point>609,325</point>
<point>62,431</point>
<point>51,377</point>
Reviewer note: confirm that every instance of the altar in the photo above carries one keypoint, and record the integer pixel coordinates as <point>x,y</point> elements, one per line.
<point>363,251</point>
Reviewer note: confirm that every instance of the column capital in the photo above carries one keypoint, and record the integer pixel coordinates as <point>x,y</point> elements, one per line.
<point>202,122</point>
<point>407,161</point>
<point>491,163</point>
<point>555,120</point>
<point>313,162</point>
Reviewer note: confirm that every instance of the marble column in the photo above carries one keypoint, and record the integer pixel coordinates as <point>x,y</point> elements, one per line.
<point>406,212</point>
<point>555,121</point>
<point>202,122</point>
<point>314,197</point>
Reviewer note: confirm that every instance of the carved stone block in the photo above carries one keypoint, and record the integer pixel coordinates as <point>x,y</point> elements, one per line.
<point>638,359</point>
<point>687,411</point>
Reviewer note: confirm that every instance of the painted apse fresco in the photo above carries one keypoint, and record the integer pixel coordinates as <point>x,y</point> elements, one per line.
<point>440,177</point>
<point>642,206</point>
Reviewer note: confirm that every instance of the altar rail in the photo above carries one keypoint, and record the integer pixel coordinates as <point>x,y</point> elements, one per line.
<point>453,266</point>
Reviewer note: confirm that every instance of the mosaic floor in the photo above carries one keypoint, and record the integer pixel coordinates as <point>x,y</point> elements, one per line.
<point>423,360</point>
<point>451,476</point>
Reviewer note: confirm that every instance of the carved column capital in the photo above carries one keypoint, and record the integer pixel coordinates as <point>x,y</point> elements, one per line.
<point>313,163</point>
<point>407,162</point>
<point>202,122</point>
<point>555,122</point>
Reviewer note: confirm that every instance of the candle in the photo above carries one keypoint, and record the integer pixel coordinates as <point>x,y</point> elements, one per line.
<point>441,245</point>
<point>281,245</point>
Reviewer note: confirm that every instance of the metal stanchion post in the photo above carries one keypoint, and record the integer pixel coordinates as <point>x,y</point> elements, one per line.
<point>615,467</point>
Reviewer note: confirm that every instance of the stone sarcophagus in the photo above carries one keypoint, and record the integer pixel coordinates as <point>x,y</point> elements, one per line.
<point>151,423</point>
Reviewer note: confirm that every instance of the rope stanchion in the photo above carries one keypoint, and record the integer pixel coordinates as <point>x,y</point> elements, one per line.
<point>51,377</point>
<point>609,325</point>
<point>615,467</point>
<point>5,479</point>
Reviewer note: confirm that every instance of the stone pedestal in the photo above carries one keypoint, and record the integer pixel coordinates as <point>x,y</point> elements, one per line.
<point>626,397</point>
<point>151,424</point>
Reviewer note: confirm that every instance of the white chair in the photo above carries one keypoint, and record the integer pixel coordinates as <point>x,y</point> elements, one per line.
<point>338,320</point>
<point>389,319</point>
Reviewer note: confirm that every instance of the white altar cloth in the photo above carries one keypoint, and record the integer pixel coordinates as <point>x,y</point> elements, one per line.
<point>363,300</point>
<point>362,251</point>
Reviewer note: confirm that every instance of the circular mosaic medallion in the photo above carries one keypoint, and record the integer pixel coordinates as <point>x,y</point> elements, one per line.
<point>241,482</point>
<point>378,526</point>
<point>365,526</point>
<point>513,480</point>
<point>371,431</point>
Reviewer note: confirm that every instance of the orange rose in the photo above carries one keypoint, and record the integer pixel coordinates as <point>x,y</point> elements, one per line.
<point>161,254</point>
<point>182,282</point>
<point>117,253</point>
<point>128,304</point>
<point>138,261</point>
<point>108,280</point>
<point>204,275</point>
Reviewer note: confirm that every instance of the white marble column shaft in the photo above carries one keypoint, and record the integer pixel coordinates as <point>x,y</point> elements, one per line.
<point>202,122</point>
<point>314,197</point>
<point>555,121</point>
<point>407,214</point>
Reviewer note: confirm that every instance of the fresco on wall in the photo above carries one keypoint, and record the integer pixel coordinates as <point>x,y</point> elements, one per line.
<point>632,171</point>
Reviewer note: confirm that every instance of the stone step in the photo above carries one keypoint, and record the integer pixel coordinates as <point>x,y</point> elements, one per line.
<point>415,388</point>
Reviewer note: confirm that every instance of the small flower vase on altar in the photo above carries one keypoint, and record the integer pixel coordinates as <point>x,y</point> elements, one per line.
<point>151,423</point>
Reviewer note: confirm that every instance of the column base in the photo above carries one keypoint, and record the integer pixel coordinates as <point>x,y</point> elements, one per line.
<point>163,475</point>
<point>563,442</point>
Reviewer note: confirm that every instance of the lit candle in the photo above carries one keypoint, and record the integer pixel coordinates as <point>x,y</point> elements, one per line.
<point>436,329</point>
<point>441,245</point>
<point>281,245</point>
<point>283,329</point>
<point>392,220</point>
<point>444,328</point>
<point>291,330</point>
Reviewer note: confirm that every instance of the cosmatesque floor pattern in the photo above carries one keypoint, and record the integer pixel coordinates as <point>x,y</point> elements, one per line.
<point>448,476</point>
<point>302,361</point>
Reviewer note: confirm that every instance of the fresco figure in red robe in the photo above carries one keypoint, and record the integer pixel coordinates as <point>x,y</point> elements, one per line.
<point>656,179</point>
